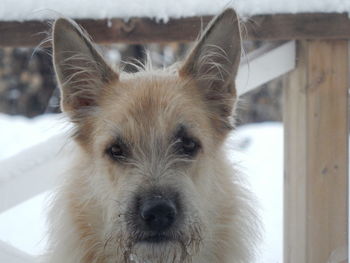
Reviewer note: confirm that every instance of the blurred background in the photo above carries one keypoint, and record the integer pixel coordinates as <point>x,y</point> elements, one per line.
<point>28,86</point>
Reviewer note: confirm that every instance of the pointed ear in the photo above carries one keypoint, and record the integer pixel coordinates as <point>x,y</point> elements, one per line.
<point>81,71</point>
<point>213,65</point>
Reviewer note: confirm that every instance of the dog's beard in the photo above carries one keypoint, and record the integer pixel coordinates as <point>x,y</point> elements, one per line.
<point>164,252</point>
<point>180,248</point>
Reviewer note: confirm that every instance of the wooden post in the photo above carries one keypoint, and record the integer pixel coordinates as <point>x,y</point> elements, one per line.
<point>316,154</point>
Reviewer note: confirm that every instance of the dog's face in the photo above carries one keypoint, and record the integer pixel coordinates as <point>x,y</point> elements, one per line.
<point>149,140</point>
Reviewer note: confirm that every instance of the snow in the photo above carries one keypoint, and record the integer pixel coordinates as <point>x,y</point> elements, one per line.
<point>260,157</point>
<point>19,133</point>
<point>24,225</point>
<point>158,9</point>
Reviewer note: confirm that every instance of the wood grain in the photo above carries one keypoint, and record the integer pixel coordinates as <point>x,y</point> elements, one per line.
<point>316,154</point>
<point>144,30</point>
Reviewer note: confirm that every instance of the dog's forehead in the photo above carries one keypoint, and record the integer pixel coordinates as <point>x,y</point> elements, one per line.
<point>153,103</point>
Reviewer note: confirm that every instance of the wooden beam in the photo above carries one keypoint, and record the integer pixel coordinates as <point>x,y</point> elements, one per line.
<point>145,30</point>
<point>299,26</point>
<point>33,171</point>
<point>316,154</point>
<point>136,30</point>
<point>265,64</point>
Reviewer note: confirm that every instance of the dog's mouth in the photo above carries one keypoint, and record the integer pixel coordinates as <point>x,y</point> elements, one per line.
<point>154,246</point>
<point>156,238</point>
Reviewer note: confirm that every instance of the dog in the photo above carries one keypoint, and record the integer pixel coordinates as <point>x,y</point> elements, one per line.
<point>150,181</point>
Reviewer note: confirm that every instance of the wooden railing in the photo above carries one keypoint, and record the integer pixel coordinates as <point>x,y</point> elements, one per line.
<point>145,30</point>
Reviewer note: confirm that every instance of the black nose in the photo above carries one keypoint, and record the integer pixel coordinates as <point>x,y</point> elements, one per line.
<point>158,214</point>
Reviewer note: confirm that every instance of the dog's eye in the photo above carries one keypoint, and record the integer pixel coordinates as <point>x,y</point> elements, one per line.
<point>117,152</point>
<point>188,146</point>
<point>185,144</point>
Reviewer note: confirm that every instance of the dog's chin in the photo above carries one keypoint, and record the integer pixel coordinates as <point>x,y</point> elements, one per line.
<point>158,249</point>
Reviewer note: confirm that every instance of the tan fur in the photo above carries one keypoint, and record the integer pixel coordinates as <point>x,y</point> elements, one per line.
<point>91,215</point>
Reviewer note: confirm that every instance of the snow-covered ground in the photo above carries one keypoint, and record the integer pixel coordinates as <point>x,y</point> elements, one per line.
<point>257,149</point>
<point>159,9</point>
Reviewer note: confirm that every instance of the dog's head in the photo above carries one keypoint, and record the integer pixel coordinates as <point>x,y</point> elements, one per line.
<point>149,140</point>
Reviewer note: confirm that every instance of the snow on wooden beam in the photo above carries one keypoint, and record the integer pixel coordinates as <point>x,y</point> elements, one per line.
<point>33,171</point>
<point>10,254</point>
<point>146,30</point>
<point>265,64</point>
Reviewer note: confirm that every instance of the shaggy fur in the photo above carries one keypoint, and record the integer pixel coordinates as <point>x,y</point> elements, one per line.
<point>94,217</point>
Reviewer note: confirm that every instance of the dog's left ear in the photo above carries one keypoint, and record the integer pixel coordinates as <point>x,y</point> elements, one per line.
<point>213,65</point>
<point>80,69</point>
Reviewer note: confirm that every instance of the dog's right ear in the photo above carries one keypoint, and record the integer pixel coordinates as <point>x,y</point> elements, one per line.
<point>213,65</point>
<point>81,71</point>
